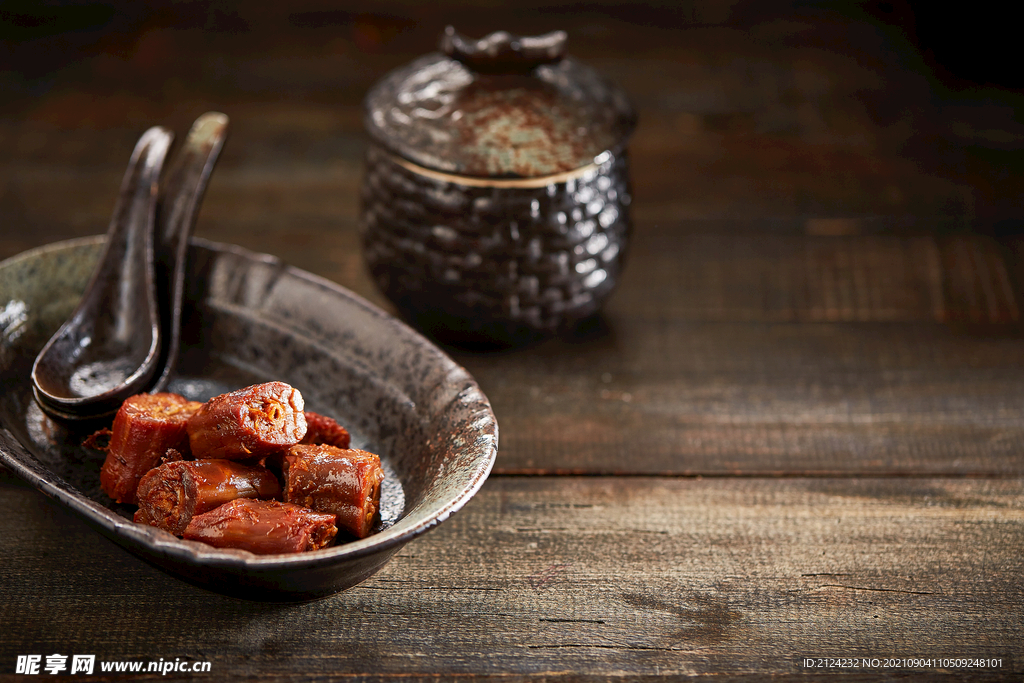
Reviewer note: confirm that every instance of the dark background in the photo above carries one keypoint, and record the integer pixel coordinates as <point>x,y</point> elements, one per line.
<point>936,90</point>
<point>961,48</point>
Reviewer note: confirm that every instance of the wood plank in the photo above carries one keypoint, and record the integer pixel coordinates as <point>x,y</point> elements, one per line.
<point>718,398</point>
<point>597,576</point>
<point>706,270</point>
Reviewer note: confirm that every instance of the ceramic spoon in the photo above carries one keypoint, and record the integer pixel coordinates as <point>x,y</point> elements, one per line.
<point>181,192</point>
<point>109,348</point>
<point>75,385</point>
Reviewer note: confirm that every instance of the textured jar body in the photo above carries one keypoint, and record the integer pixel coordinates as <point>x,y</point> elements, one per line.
<point>492,263</point>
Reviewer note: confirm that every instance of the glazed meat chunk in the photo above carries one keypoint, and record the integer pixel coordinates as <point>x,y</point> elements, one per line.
<point>173,493</point>
<point>263,527</point>
<point>323,429</point>
<point>342,482</point>
<point>145,428</point>
<point>249,423</point>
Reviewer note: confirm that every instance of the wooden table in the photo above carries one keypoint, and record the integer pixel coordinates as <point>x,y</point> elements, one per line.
<point>795,432</point>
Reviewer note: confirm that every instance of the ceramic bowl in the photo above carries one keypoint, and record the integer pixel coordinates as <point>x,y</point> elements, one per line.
<point>250,318</point>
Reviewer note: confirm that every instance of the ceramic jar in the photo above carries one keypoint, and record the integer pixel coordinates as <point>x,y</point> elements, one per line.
<point>495,203</point>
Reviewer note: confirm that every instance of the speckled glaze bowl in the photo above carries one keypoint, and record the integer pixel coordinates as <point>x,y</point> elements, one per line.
<point>249,318</point>
<point>495,203</point>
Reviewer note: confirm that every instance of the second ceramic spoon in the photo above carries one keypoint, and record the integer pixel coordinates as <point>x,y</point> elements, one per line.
<point>181,192</point>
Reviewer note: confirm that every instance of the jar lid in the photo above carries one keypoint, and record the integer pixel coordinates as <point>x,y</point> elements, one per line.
<point>500,107</point>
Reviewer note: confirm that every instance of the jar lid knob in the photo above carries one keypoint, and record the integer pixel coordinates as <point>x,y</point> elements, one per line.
<point>503,52</point>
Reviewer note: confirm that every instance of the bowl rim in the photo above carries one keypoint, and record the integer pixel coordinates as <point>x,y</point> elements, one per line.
<point>165,544</point>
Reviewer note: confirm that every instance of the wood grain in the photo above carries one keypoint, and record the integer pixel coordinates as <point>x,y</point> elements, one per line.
<point>596,576</point>
<point>777,353</point>
<point>704,398</point>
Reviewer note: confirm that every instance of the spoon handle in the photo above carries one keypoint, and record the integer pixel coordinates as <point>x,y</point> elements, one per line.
<point>180,195</point>
<point>127,261</point>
